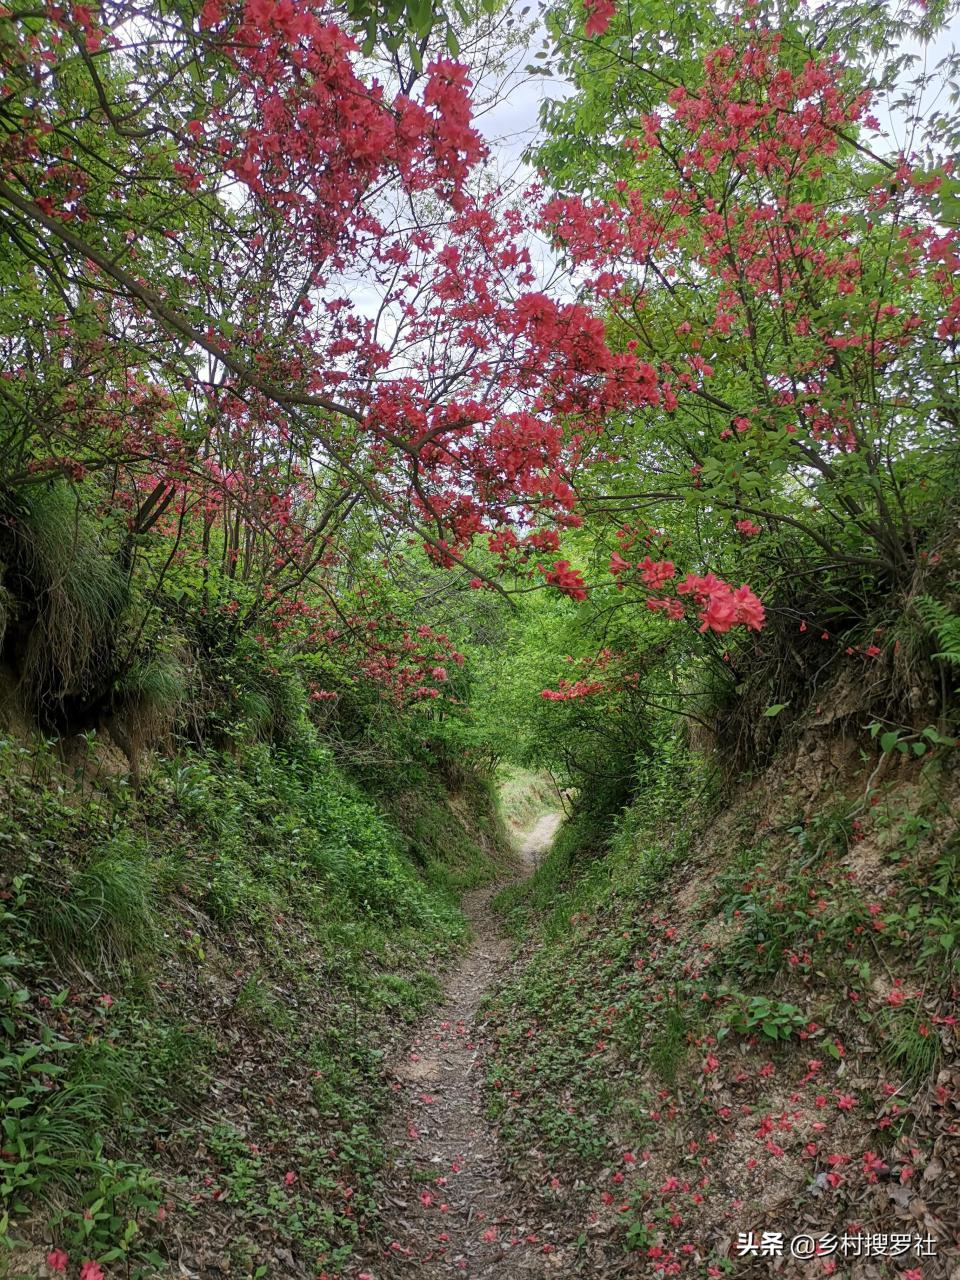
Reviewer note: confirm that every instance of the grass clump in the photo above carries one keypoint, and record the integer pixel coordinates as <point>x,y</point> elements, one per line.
<point>70,591</point>
<point>103,908</point>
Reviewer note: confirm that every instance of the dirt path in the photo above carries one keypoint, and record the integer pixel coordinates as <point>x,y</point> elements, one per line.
<point>449,1209</point>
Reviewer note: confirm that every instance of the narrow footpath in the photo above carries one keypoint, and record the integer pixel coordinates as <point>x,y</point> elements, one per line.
<point>449,1208</point>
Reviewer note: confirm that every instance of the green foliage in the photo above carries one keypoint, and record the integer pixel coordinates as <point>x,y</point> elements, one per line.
<point>104,907</point>
<point>119,1201</point>
<point>906,743</point>
<point>944,624</point>
<point>928,924</point>
<point>156,680</point>
<point>775,1019</point>
<point>668,1044</point>
<point>240,693</point>
<point>118,920</point>
<point>911,1045</point>
<point>407,24</point>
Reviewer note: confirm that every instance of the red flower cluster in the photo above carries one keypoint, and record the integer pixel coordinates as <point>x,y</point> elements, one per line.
<point>721,606</point>
<point>58,1261</point>
<point>599,14</point>
<point>569,581</point>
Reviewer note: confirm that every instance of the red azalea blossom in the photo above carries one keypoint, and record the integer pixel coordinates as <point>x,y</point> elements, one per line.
<point>721,606</point>
<point>599,14</point>
<point>568,581</point>
<point>655,573</point>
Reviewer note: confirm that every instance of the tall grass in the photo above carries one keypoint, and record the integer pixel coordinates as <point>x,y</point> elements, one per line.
<point>105,908</point>
<point>62,570</point>
<point>155,682</point>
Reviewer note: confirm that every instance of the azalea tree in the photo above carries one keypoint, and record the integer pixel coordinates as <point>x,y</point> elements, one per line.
<point>797,290</point>
<point>721,190</point>
<point>725,193</point>
<point>250,293</point>
<point>257,294</point>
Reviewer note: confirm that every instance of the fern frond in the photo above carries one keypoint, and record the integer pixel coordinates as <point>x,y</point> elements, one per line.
<point>943,623</point>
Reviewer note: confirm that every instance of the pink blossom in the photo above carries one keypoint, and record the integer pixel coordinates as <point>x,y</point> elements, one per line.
<point>656,572</point>
<point>719,614</point>
<point>749,609</point>
<point>599,13</point>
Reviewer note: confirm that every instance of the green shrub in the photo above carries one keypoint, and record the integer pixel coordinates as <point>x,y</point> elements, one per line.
<point>775,1019</point>
<point>155,681</point>
<point>669,1042</point>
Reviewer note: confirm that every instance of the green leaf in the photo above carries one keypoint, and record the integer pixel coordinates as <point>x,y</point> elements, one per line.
<point>889,740</point>
<point>776,708</point>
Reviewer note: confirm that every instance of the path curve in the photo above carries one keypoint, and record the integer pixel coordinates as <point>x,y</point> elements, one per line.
<point>447,1205</point>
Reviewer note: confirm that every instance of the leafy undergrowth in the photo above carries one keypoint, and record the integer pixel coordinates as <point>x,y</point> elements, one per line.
<point>199,986</point>
<point>751,1028</point>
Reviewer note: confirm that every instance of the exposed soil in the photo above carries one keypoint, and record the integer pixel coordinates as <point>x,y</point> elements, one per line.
<point>451,1209</point>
